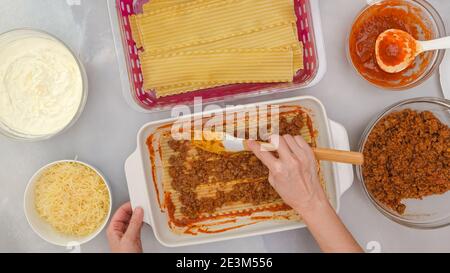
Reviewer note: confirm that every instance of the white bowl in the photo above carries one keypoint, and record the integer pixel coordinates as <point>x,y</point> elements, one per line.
<point>44,229</point>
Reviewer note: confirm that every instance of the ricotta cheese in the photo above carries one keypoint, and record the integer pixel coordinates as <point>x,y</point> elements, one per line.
<point>41,86</point>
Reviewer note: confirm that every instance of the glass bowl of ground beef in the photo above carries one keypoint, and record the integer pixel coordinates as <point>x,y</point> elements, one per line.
<point>406,173</point>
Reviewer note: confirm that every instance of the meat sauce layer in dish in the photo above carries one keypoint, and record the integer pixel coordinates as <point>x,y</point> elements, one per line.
<point>201,185</point>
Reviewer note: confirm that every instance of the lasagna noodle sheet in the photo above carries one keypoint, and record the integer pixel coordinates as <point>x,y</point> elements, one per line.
<point>135,31</point>
<point>188,87</point>
<point>220,20</point>
<point>298,57</point>
<point>219,66</point>
<point>281,36</point>
<point>277,36</point>
<point>160,6</point>
<point>208,190</point>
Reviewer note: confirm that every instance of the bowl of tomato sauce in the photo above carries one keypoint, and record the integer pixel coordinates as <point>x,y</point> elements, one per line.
<point>418,18</point>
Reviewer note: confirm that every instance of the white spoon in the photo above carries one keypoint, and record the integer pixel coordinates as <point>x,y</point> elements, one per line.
<point>396,49</point>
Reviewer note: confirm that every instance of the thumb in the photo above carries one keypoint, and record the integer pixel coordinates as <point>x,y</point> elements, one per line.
<point>134,228</point>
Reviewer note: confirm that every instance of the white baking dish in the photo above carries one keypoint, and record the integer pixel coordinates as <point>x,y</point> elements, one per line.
<point>338,178</point>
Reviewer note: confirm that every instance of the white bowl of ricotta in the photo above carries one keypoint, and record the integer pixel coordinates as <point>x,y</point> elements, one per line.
<point>43,85</point>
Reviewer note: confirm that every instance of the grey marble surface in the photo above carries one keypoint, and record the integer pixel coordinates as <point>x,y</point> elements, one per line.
<point>105,134</point>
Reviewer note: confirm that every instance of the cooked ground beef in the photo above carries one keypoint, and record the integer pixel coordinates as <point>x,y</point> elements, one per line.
<point>407,156</point>
<point>206,167</point>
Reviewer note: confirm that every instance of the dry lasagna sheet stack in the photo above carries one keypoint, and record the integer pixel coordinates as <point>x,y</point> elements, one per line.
<point>198,44</point>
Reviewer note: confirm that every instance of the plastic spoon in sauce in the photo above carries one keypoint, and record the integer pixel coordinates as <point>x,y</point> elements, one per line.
<point>396,49</point>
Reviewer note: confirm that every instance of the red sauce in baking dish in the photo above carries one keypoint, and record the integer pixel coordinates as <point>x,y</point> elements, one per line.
<point>196,226</point>
<point>377,19</point>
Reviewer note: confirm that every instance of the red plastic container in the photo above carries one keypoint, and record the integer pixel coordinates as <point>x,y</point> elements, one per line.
<point>309,32</point>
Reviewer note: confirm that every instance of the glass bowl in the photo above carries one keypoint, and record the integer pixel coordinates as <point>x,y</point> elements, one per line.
<point>18,34</point>
<point>431,19</point>
<point>432,211</point>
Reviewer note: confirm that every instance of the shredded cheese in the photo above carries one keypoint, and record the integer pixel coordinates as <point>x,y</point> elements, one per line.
<point>72,198</point>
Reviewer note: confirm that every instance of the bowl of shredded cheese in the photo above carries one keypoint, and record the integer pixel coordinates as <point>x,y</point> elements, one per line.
<point>67,202</point>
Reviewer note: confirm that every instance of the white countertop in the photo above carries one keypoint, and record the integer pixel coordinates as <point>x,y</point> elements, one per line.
<point>105,135</point>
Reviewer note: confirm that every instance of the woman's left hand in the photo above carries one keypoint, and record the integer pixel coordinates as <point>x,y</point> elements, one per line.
<point>124,231</point>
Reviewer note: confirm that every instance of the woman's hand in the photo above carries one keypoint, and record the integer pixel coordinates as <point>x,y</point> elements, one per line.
<point>294,174</point>
<point>124,231</point>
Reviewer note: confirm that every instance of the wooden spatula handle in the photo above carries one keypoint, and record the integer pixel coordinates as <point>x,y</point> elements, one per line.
<point>325,154</point>
<point>340,156</point>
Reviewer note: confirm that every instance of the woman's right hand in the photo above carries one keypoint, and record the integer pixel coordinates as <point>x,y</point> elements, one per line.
<point>294,174</point>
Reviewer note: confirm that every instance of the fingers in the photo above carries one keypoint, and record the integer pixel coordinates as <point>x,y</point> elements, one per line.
<point>123,213</point>
<point>271,180</point>
<point>295,148</point>
<point>305,147</point>
<point>120,220</point>
<point>308,154</point>
<point>289,148</point>
<point>134,227</point>
<point>266,158</point>
<point>283,149</point>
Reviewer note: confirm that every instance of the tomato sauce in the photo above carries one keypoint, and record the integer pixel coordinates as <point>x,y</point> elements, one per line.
<point>196,226</point>
<point>393,50</point>
<point>370,24</point>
